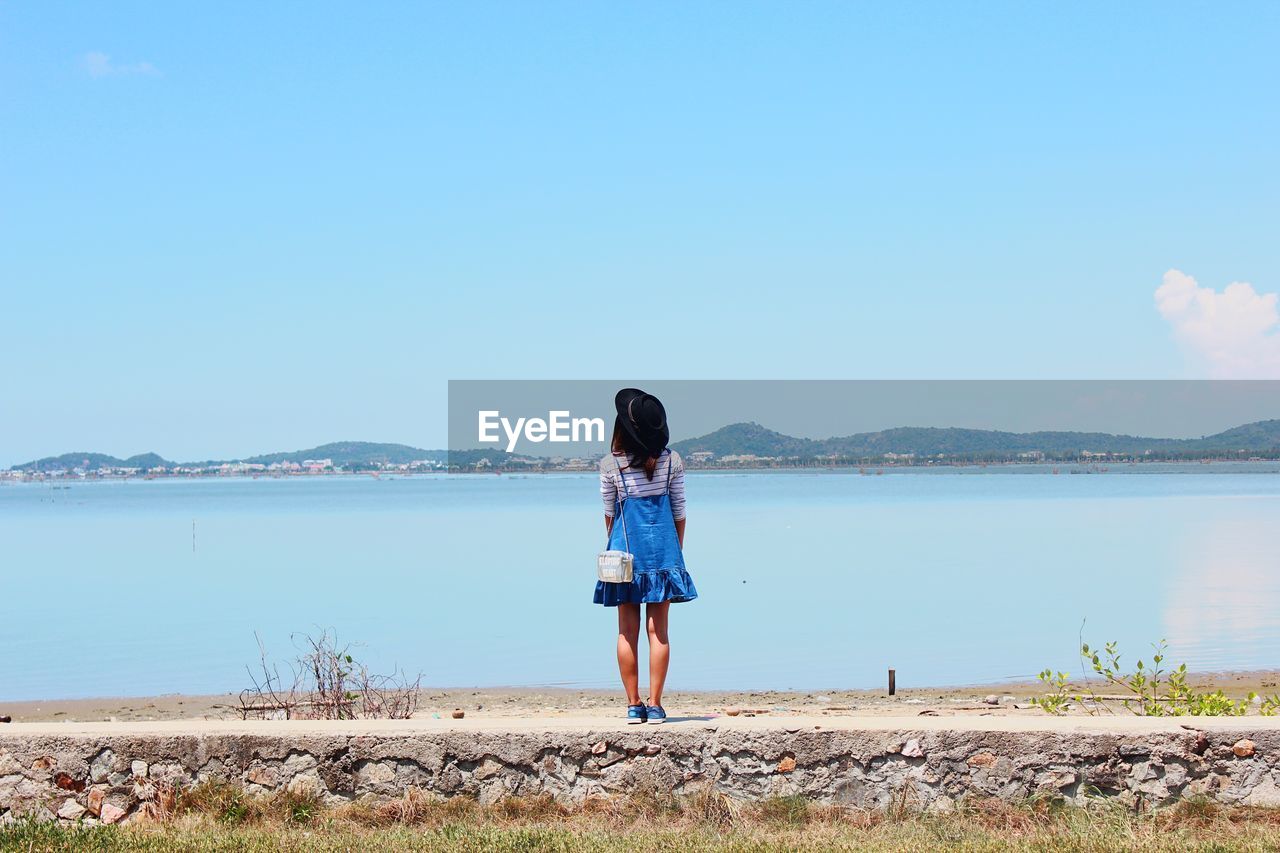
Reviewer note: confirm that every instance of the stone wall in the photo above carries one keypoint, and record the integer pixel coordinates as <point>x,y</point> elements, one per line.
<point>110,777</point>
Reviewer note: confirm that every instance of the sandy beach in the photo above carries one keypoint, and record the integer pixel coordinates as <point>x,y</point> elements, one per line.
<point>1011,698</point>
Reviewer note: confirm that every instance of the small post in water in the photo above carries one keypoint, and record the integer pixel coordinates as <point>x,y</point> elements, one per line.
<point>893,687</point>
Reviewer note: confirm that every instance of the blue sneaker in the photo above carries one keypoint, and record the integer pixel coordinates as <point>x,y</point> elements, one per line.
<point>655,714</point>
<point>636,714</point>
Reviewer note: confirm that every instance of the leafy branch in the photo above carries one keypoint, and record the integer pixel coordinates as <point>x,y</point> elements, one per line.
<point>1150,690</point>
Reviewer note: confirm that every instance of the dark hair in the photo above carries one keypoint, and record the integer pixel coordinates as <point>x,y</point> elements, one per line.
<point>636,452</point>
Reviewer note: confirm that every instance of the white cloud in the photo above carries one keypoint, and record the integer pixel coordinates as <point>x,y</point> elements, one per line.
<point>99,64</point>
<point>1234,334</point>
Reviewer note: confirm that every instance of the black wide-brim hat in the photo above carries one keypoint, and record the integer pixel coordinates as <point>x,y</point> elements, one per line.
<point>643,418</point>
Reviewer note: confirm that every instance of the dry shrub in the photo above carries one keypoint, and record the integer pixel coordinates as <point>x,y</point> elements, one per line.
<point>300,807</point>
<point>411,808</point>
<point>1197,812</point>
<point>903,804</point>
<point>364,812</point>
<point>456,810</point>
<point>218,799</point>
<point>416,807</point>
<point>861,818</point>
<point>1203,813</point>
<point>372,811</point>
<point>713,807</point>
<point>646,803</point>
<point>326,682</point>
<point>226,802</point>
<point>793,810</point>
<point>596,807</point>
<point>159,801</point>
<point>541,807</point>
<point>1256,815</point>
<point>999,815</point>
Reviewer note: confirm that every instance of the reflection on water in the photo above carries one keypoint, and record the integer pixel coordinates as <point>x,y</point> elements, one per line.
<point>1223,608</point>
<point>808,579</point>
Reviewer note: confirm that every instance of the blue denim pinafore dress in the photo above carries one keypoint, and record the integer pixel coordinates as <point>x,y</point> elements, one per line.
<point>650,529</point>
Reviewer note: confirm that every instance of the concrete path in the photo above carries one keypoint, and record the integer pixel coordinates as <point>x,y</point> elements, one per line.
<point>1032,722</point>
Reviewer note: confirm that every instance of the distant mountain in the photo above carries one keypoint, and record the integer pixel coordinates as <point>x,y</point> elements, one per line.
<point>354,453</point>
<point>1261,435</point>
<point>748,438</point>
<point>147,460</point>
<point>92,462</point>
<point>345,454</point>
<point>756,440</point>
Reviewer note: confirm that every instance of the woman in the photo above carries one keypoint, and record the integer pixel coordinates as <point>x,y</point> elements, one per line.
<point>642,483</point>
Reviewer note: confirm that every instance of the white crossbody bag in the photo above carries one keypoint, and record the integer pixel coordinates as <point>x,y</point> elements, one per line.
<point>617,566</point>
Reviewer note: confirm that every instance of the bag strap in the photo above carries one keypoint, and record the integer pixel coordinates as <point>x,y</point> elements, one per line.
<point>622,481</point>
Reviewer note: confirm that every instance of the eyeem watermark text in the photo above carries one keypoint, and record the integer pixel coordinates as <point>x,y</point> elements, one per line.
<point>558,426</point>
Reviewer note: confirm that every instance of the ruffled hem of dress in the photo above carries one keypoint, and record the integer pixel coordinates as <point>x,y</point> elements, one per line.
<point>672,585</point>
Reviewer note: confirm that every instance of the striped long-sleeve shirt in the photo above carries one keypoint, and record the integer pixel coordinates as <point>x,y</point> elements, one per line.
<point>670,466</point>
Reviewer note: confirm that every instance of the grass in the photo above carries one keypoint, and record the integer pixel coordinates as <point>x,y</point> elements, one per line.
<point>218,817</point>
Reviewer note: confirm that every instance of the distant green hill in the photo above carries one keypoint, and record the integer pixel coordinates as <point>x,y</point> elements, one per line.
<point>1261,435</point>
<point>748,438</point>
<point>346,453</point>
<point>469,458</point>
<point>147,461</point>
<point>756,440</point>
<point>92,462</point>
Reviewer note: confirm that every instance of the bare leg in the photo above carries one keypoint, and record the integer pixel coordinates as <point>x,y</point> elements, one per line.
<point>628,637</point>
<point>659,649</point>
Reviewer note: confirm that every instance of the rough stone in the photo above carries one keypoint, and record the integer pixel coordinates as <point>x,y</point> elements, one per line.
<point>981,759</point>
<point>101,765</point>
<point>1265,793</point>
<point>375,774</point>
<point>67,782</point>
<point>169,771</point>
<point>71,810</point>
<point>491,767</point>
<point>267,777</point>
<point>138,768</point>
<point>1057,778</point>
<point>111,813</point>
<point>308,782</point>
<point>1243,748</point>
<point>95,799</point>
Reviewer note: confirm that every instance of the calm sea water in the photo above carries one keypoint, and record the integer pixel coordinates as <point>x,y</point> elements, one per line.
<point>809,579</point>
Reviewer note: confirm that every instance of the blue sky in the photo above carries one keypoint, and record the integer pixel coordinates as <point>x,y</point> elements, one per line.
<point>235,228</point>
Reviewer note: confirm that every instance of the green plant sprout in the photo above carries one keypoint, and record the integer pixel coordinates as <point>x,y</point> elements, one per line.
<point>1149,690</point>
